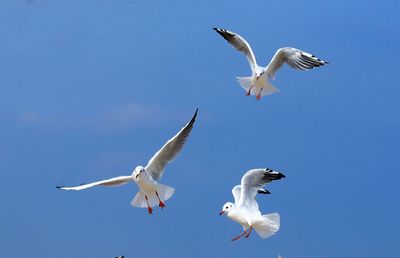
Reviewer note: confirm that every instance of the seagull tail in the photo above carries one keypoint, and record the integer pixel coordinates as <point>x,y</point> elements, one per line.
<point>245,83</point>
<point>268,225</point>
<point>268,88</point>
<point>164,192</point>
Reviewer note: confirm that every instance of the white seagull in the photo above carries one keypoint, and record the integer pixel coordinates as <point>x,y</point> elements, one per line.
<point>151,192</point>
<point>258,84</point>
<point>245,209</point>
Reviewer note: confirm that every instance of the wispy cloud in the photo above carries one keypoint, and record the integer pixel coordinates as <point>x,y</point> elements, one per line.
<point>29,117</point>
<point>115,119</point>
<point>130,115</point>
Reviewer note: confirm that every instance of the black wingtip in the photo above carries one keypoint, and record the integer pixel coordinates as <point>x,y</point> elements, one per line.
<point>279,175</point>
<point>273,175</point>
<point>263,191</point>
<point>59,186</point>
<point>221,32</point>
<point>191,122</point>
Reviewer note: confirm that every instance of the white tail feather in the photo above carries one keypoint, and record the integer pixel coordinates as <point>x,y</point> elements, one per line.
<point>268,88</point>
<point>164,192</point>
<point>268,226</point>
<point>245,82</point>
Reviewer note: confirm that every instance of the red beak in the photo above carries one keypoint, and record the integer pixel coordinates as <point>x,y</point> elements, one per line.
<point>222,212</point>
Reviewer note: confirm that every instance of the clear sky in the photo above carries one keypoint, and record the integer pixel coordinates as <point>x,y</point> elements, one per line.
<point>90,89</point>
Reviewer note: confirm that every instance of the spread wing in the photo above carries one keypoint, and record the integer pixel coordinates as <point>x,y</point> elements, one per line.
<point>169,151</point>
<point>120,180</point>
<point>295,58</point>
<point>252,181</point>
<point>240,44</point>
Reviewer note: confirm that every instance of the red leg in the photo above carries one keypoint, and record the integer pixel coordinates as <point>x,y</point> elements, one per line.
<point>160,204</point>
<point>258,96</point>
<point>149,209</point>
<point>248,234</point>
<point>249,90</point>
<point>239,236</point>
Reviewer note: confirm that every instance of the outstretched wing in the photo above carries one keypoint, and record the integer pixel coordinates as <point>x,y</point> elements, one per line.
<point>240,44</point>
<point>252,181</point>
<point>169,151</point>
<point>295,58</point>
<point>120,180</point>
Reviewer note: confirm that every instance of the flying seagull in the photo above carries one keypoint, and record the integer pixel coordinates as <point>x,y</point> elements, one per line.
<point>151,192</point>
<point>245,209</point>
<point>258,84</point>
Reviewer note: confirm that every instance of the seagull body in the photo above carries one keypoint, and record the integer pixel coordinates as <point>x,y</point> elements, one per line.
<point>245,210</point>
<point>258,83</point>
<point>151,192</point>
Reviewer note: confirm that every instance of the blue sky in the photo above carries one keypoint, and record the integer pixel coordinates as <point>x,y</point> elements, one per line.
<point>90,89</point>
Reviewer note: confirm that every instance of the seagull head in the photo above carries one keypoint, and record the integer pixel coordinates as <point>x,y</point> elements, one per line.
<point>137,172</point>
<point>258,72</point>
<point>227,208</point>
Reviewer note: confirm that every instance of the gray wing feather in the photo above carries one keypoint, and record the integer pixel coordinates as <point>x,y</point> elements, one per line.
<point>240,44</point>
<point>169,151</point>
<point>295,58</point>
<point>252,181</point>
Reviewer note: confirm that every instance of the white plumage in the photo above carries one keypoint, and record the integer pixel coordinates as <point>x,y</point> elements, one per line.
<point>245,210</point>
<point>150,192</point>
<point>258,84</point>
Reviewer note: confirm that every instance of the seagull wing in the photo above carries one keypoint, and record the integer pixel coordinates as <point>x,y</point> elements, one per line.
<point>295,58</point>
<point>236,192</point>
<point>252,181</point>
<point>169,151</point>
<point>120,180</point>
<point>240,44</point>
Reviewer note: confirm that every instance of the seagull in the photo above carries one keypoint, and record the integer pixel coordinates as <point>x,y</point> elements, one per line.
<point>245,209</point>
<point>151,192</point>
<point>121,256</point>
<point>258,84</point>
